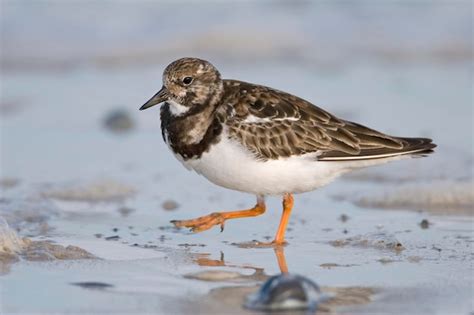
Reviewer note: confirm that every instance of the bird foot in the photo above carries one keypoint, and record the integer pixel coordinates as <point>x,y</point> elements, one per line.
<point>202,223</point>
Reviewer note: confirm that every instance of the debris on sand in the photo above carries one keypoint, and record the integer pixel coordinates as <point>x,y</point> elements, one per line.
<point>286,292</point>
<point>10,243</point>
<point>7,183</point>
<point>112,238</point>
<point>187,245</point>
<point>45,250</point>
<point>424,224</point>
<point>99,191</point>
<point>374,240</point>
<point>170,205</point>
<point>119,121</point>
<point>333,265</point>
<point>14,248</point>
<point>255,244</point>
<point>386,260</point>
<point>343,218</point>
<point>125,211</point>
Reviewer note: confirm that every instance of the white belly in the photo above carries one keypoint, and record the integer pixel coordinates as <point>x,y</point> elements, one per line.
<point>230,165</point>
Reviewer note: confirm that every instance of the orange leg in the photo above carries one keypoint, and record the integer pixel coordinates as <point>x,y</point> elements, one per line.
<point>218,218</point>
<point>288,202</point>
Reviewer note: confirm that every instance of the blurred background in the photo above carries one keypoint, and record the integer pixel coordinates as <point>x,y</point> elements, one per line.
<point>399,66</point>
<point>77,158</point>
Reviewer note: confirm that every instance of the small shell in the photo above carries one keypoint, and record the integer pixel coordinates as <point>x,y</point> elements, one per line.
<point>286,292</point>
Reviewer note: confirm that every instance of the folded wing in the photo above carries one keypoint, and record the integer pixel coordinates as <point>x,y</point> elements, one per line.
<point>274,124</point>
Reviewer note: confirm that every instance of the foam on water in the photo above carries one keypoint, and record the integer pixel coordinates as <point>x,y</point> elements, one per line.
<point>10,242</point>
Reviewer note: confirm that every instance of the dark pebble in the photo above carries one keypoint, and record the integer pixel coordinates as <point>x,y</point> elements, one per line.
<point>112,238</point>
<point>424,224</point>
<point>93,285</point>
<point>170,205</point>
<point>119,120</point>
<point>343,218</point>
<point>125,211</point>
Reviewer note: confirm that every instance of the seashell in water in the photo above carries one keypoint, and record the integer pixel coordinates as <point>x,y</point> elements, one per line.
<point>286,292</point>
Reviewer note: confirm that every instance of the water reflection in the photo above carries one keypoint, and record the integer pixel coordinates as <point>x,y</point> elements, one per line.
<point>280,255</point>
<point>283,292</point>
<point>202,259</point>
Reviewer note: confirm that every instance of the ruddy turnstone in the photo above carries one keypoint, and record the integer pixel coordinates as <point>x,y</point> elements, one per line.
<point>259,140</point>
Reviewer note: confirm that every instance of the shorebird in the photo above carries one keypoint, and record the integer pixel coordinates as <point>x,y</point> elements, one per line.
<point>259,140</point>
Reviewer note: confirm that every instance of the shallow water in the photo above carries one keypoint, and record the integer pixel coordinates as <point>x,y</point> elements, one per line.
<point>69,179</point>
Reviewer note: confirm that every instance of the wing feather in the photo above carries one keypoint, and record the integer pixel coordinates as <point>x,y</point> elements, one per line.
<point>274,124</point>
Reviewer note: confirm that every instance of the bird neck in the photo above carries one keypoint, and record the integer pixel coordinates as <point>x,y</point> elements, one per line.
<point>192,126</point>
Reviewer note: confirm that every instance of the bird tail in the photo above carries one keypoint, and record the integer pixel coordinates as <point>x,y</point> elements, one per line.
<point>410,146</point>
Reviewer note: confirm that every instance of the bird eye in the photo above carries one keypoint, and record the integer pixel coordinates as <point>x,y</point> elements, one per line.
<point>187,80</point>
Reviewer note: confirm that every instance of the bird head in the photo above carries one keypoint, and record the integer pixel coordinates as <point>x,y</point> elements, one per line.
<point>188,82</point>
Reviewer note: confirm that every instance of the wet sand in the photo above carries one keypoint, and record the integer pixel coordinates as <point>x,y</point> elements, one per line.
<point>367,259</point>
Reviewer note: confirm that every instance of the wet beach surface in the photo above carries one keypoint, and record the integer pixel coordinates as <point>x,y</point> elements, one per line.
<point>88,187</point>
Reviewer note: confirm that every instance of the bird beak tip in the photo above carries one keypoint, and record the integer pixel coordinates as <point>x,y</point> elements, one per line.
<point>158,98</point>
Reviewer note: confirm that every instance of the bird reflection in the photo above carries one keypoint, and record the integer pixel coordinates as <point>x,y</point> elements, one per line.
<point>280,255</point>
<point>204,260</point>
<point>282,292</point>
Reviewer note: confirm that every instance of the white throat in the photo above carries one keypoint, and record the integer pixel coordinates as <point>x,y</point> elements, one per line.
<point>177,109</point>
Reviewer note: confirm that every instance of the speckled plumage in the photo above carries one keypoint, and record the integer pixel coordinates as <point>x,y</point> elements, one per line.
<point>259,140</point>
<point>283,125</point>
<point>269,123</point>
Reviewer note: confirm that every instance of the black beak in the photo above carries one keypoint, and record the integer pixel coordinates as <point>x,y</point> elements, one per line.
<point>158,98</point>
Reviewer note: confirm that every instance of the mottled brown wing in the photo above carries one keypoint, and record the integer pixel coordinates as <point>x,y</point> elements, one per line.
<point>275,124</point>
